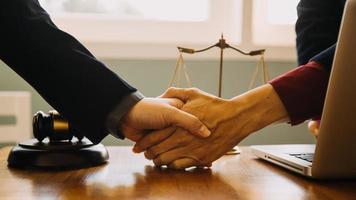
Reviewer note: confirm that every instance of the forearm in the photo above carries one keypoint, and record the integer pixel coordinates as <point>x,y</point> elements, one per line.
<point>259,108</point>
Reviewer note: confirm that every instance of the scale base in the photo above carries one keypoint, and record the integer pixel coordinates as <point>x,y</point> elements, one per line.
<point>57,155</point>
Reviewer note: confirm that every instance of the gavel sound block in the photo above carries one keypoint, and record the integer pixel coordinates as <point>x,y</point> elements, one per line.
<point>57,146</point>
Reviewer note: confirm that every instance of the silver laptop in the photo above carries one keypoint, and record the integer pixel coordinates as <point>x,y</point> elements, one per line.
<point>334,155</point>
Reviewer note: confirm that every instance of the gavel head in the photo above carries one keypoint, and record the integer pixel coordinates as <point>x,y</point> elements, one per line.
<point>53,126</point>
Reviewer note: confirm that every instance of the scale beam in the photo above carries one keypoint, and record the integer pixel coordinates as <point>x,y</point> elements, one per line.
<point>223,45</point>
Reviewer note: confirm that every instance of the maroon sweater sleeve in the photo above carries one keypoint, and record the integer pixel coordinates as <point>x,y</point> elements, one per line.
<point>302,91</point>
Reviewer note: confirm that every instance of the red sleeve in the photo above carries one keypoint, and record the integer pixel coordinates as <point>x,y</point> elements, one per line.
<point>302,91</point>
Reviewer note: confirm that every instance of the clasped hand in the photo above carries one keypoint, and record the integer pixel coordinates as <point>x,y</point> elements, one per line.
<point>181,138</point>
<point>178,149</point>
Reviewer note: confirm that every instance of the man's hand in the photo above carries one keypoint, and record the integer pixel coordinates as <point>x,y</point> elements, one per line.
<point>230,121</point>
<point>159,113</point>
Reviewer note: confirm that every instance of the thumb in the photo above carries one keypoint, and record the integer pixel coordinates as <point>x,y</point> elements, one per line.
<point>173,102</point>
<point>189,122</point>
<point>173,92</point>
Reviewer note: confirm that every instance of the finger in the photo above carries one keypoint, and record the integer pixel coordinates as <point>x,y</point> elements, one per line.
<point>176,140</point>
<point>152,139</point>
<point>168,157</point>
<point>184,94</point>
<point>183,163</point>
<point>188,122</point>
<point>147,156</point>
<point>173,92</point>
<point>178,158</point>
<point>132,133</point>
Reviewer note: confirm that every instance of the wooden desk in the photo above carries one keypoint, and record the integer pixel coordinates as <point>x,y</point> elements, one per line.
<point>130,176</point>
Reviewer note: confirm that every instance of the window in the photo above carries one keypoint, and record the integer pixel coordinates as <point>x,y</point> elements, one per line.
<point>147,21</point>
<point>273,22</point>
<point>197,10</point>
<point>282,12</point>
<point>152,28</point>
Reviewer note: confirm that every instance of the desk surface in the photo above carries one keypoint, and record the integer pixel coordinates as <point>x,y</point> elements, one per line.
<point>130,176</point>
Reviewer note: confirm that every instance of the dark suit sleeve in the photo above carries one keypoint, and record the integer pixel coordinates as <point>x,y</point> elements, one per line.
<point>317,28</point>
<point>326,57</point>
<point>303,89</point>
<point>62,70</point>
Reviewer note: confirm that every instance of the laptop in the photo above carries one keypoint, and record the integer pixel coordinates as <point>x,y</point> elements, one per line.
<point>334,155</point>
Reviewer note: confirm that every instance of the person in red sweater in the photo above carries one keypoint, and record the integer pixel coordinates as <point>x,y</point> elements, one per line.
<point>293,97</point>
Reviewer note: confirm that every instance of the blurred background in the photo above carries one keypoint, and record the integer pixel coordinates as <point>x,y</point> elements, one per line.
<point>137,39</point>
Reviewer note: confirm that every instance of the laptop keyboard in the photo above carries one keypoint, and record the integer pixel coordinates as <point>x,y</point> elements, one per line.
<point>304,156</point>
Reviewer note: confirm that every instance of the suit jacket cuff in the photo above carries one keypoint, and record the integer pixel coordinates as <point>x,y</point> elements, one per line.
<point>115,116</point>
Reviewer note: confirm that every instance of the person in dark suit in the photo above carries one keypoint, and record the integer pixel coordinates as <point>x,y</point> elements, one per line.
<point>295,96</point>
<point>81,88</point>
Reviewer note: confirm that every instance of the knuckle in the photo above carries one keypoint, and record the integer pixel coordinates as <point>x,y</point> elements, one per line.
<point>194,90</point>
<point>147,155</point>
<point>169,90</point>
<point>150,154</point>
<point>153,151</point>
<point>158,161</point>
<point>205,159</point>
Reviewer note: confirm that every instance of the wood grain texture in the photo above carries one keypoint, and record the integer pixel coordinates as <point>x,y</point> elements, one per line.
<point>130,176</point>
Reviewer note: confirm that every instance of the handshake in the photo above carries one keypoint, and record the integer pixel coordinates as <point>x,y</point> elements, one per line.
<point>190,128</point>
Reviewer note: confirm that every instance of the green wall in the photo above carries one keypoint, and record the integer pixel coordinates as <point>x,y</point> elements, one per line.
<point>151,77</point>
